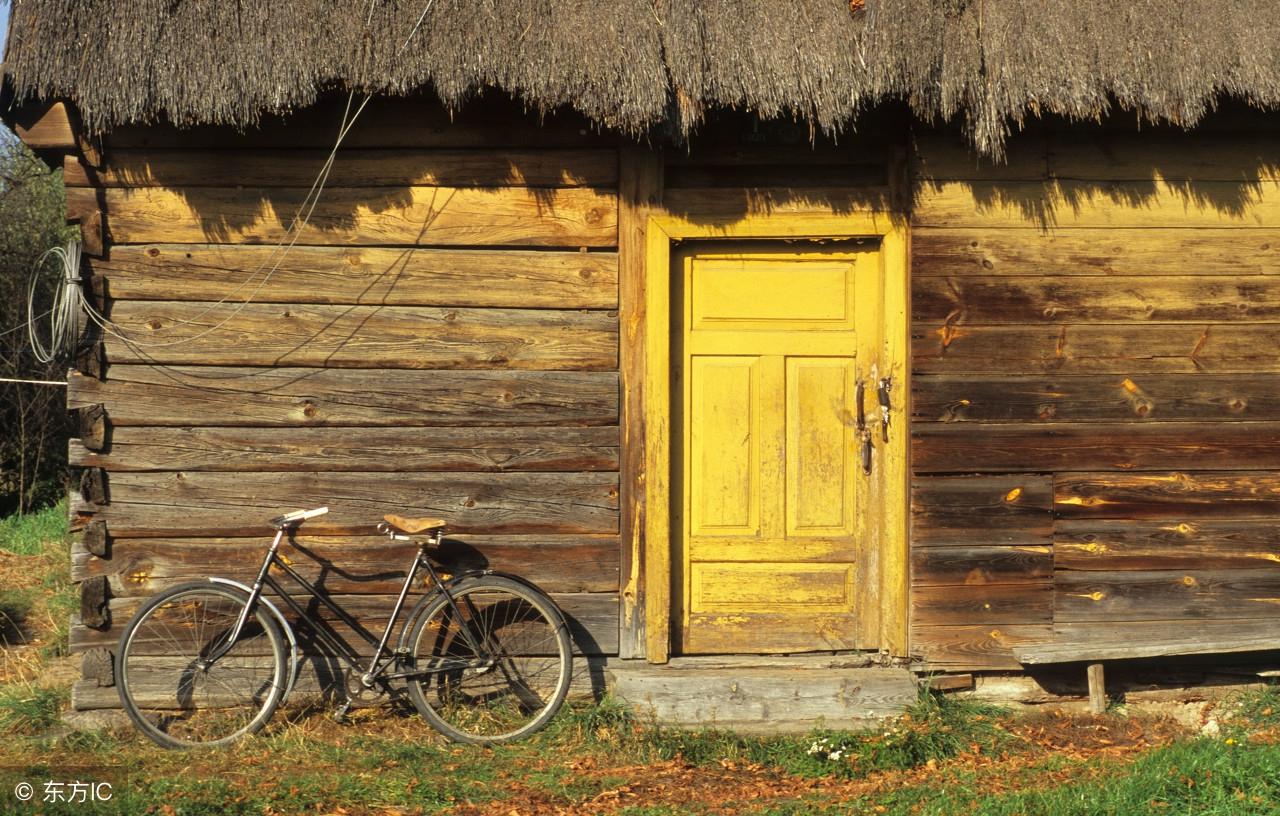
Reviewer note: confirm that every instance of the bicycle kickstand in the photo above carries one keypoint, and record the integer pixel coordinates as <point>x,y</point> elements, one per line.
<point>340,713</point>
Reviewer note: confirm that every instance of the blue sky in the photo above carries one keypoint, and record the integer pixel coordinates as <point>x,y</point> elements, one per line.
<point>4,21</point>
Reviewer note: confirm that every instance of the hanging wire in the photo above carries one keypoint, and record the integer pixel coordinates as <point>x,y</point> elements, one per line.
<point>64,314</point>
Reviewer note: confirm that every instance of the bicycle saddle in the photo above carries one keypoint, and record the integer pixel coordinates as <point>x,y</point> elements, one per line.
<point>413,525</point>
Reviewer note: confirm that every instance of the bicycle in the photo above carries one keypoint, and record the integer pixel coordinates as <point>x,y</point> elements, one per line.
<point>485,657</point>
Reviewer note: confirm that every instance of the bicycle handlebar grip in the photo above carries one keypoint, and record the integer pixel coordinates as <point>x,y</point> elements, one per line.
<point>301,515</point>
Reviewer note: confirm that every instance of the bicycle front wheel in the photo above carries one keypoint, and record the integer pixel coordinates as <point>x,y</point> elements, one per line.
<point>494,665</point>
<point>169,686</point>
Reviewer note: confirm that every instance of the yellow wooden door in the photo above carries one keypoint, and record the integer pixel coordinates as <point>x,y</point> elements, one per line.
<point>773,522</point>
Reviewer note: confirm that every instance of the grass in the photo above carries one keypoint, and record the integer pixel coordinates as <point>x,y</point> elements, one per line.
<point>31,533</point>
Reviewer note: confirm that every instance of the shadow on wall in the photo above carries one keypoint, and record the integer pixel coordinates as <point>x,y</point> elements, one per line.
<point>1062,174</point>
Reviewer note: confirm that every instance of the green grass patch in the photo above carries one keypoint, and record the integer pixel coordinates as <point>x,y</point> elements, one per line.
<point>30,709</point>
<point>31,533</point>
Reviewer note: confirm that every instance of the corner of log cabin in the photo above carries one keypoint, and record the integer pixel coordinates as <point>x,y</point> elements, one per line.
<point>1096,434</point>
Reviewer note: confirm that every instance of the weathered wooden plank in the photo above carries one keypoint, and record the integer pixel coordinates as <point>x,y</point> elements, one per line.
<point>1020,300</point>
<point>1095,398</point>
<point>1150,251</point>
<point>1163,154</point>
<point>1124,349</point>
<point>1210,632</point>
<point>353,168</point>
<point>968,511</point>
<point>373,276</point>
<point>729,204</point>
<point>639,195</point>
<point>1248,637</point>
<point>366,449</point>
<point>768,633</point>
<point>1180,595</point>
<point>592,618</point>
<point>410,216</point>
<point>949,566</point>
<point>1178,495</point>
<point>1107,205</point>
<point>977,648</point>
<point>1139,544</point>
<point>222,504</point>
<point>775,699</point>
<point>954,605</point>
<point>255,334</point>
<point>960,447</point>
<point>863,148</point>
<point>352,564</point>
<point>941,156</point>
<point>776,174</point>
<point>387,122</point>
<point>274,397</point>
<point>45,126</point>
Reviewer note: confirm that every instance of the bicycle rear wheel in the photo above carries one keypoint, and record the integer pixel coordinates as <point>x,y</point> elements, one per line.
<point>175,701</point>
<point>504,681</point>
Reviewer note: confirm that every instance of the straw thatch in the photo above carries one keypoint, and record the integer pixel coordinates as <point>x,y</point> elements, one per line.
<point>635,64</point>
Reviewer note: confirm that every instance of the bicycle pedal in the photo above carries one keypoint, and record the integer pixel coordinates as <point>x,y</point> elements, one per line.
<point>340,713</point>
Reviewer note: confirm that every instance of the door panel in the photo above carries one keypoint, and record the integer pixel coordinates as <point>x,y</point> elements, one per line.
<point>771,536</point>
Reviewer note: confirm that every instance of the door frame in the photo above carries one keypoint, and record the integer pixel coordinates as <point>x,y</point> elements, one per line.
<point>890,478</point>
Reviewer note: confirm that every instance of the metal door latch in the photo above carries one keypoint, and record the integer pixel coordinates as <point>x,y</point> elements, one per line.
<point>864,434</point>
<point>882,394</point>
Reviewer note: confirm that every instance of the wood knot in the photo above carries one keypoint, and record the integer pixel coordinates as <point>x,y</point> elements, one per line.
<point>1142,407</point>
<point>450,317</point>
<point>468,502</point>
<point>498,359</point>
<point>155,324</point>
<point>1188,580</point>
<point>507,397</point>
<point>1046,411</point>
<point>585,274</point>
<point>308,410</point>
<point>1237,405</point>
<point>153,253</point>
<point>595,215</point>
<point>1013,495</point>
<point>986,264</point>
<point>613,493</point>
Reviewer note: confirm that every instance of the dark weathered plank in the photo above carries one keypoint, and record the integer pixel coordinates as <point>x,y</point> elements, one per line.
<point>776,174</point>
<point>1210,631</point>
<point>387,122</point>
<point>1176,495</point>
<point>1123,349</point>
<point>151,395</point>
<point>949,448</point>
<point>1184,641</point>
<point>1138,544</point>
<point>969,511</point>
<point>220,504</point>
<point>1095,398</point>
<point>365,275</point>
<point>942,155</point>
<point>353,168</point>
<point>352,216</point>
<point>958,648</point>
<point>353,564</point>
<point>256,334</point>
<point>730,203</point>
<point>364,449</point>
<point>592,618</point>
<point>949,566</point>
<point>1174,595</point>
<point>955,605</point>
<point>1062,252</point>
<point>1169,154</point>
<point>1018,300</point>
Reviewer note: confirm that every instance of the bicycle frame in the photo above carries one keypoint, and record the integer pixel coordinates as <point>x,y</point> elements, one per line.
<point>378,664</point>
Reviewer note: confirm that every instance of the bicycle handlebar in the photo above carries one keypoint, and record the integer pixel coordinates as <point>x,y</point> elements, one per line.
<point>298,515</point>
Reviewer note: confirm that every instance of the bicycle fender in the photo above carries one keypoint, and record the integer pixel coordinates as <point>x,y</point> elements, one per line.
<point>294,661</point>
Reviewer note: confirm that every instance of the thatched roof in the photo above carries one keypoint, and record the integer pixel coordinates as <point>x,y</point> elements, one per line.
<point>636,64</point>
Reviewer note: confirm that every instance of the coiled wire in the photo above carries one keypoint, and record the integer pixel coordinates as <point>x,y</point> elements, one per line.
<point>64,312</point>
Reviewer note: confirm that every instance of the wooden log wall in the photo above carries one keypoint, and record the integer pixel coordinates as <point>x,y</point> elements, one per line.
<point>1096,392</point>
<point>441,340</point>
